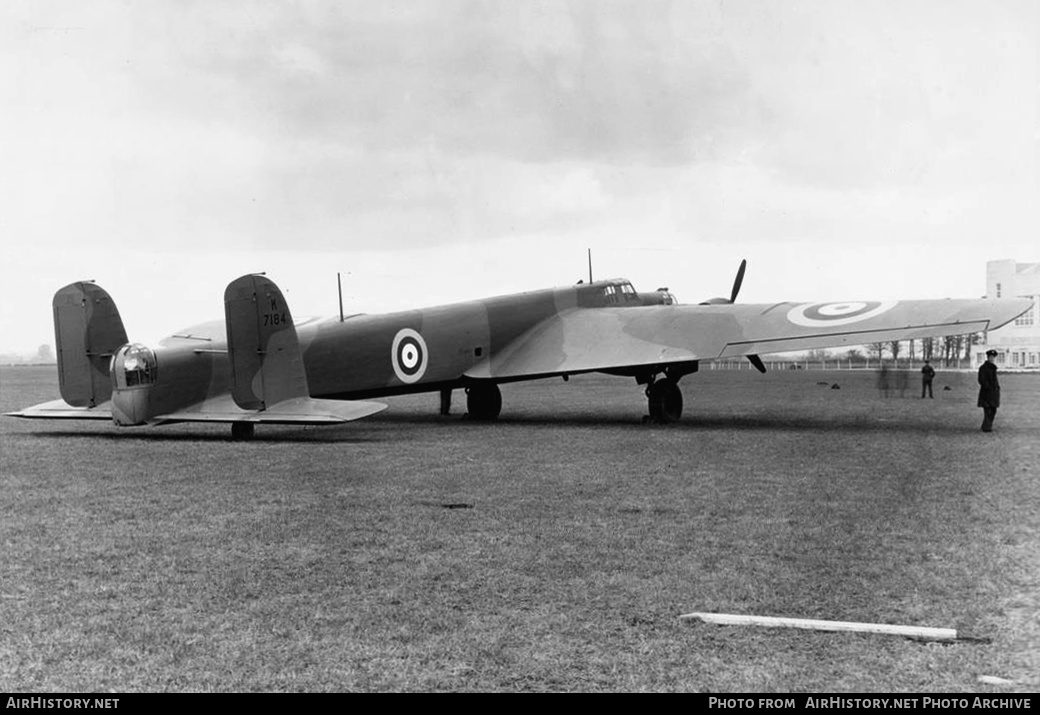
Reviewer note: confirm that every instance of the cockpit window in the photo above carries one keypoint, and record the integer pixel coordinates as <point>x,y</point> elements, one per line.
<point>619,293</point>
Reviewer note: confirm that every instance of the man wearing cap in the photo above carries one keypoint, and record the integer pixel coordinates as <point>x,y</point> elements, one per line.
<point>927,374</point>
<point>989,390</point>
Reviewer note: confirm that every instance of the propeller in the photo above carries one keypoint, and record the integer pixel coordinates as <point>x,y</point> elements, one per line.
<point>736,288</point>
<point>739,279</point>
<point>753,359</point>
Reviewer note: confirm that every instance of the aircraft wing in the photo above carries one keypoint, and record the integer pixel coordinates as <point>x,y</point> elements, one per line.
<point>61,410</point>
<point>211,336</point>
<point>590,339</point>
<point>201,336</point>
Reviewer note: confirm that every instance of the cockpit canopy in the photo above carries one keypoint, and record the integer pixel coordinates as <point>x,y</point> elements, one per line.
<point>619,294</point>
<point>133,365</point>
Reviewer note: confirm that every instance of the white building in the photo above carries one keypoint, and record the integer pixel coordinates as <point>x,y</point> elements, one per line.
<point>1017,343</point>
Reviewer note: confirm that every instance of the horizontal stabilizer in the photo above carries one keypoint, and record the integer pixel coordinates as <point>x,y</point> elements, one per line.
<point>62,410</point>
<point>311,411</point>
<point>295,410</point>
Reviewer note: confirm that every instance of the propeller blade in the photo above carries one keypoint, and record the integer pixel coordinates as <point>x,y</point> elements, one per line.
<point>757,362</point>
<point>738,281</point>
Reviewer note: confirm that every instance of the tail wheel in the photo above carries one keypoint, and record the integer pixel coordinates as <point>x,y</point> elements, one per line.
<point>241,431</point>
<point>483,401</point>
<point>665,401</point>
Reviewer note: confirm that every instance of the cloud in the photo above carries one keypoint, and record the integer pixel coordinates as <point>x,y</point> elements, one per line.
<point>325,125</point>
<point>535,82</point>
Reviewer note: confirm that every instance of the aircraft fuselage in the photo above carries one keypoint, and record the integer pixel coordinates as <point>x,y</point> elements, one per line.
<point>434,348</point>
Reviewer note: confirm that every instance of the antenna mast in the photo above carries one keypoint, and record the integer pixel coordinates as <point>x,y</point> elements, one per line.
<point>339,285</point>
<point>590,264</point>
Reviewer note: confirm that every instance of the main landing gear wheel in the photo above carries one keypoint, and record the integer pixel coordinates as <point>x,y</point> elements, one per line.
<point>665,401</point>
<point>242,430</point>
<point>483,401</point>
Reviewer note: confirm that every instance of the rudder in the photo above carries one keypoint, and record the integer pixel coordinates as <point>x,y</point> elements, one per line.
<point>263,350</point>
<point>87,332</point>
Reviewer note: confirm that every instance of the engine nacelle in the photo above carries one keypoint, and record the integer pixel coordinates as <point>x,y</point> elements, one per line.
<point>134,371</point>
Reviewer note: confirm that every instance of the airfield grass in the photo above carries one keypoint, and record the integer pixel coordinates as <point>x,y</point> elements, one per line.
<point>552,551</point>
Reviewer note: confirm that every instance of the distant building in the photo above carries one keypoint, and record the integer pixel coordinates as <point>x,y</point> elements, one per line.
<point>1017,343</point>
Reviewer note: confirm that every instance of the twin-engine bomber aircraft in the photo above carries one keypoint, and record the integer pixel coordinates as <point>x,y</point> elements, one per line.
<point>259,365</point>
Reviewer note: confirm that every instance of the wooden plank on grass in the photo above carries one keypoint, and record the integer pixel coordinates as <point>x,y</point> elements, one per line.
<point>937,634</point>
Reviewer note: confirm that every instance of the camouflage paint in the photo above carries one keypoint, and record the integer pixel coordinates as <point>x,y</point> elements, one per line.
<point>602,326</point>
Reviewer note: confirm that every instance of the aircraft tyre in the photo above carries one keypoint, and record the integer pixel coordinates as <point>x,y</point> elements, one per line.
<point>483,401</point>
<point>665,401</point>
<point>241,431</point>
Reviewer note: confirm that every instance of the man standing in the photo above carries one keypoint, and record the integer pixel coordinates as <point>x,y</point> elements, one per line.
<point>989,390</point>
<point>882,380</point>
<point>927,373</point>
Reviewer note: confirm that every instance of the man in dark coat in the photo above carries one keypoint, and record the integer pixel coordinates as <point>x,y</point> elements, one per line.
<point>927,374</point>
<point>989,390</point>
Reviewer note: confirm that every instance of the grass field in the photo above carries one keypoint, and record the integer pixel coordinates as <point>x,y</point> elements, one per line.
<point>554,550</point>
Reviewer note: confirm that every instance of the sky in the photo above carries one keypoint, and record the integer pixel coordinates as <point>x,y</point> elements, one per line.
<point>433,151</point>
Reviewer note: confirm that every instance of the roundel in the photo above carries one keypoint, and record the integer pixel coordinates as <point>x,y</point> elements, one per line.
<point>815,315</point>
<point>408,355</point>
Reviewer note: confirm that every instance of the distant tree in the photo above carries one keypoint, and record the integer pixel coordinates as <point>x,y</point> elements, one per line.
<point>893,347</point>
<point>878,349</point>
<point>44,355</point>
<point>950,348</point>
<point>971,340</point>
<point>927,348</point>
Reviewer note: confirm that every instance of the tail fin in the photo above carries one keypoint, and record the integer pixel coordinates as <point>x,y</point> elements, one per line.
<point>263,351</point>
<point>87,331</point>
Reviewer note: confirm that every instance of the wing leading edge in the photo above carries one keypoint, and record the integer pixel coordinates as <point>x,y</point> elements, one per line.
<point>585,340</point>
